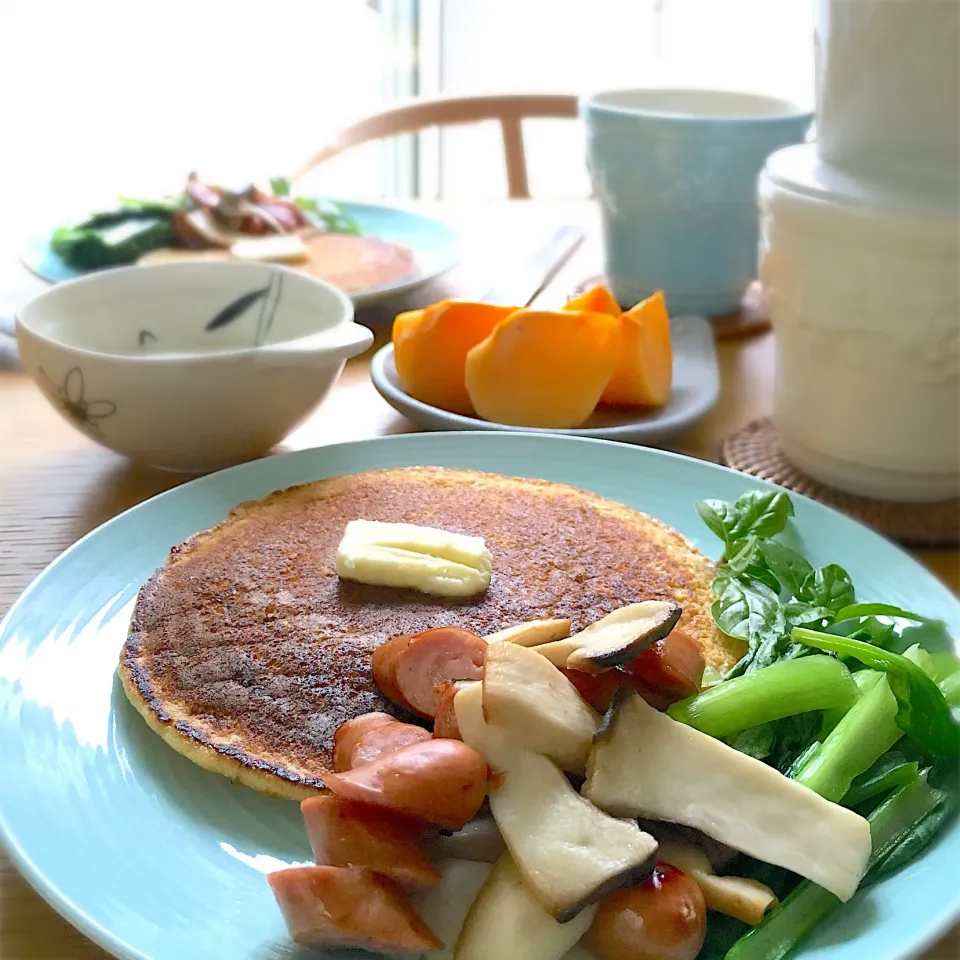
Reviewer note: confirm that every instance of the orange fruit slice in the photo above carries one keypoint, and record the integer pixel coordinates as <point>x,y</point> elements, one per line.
<point>597,299</point>
<point>430,349</point>
<point>540,368</point>
<point>644,369</point>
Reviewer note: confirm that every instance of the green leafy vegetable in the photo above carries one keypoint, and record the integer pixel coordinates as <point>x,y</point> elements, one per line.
<point>781,690</point>
<point>326,216</point>
<point>870,630</point>
<point>118,241</point>
<point>280,186</point>
<point>757,513</point>
<point>892,825</point>
<point>798,613</point>
<point>757,742</point>
<point>856,611</point>
<point>922,711</point>
<point>829,587</point>
<point>788,566</point>
<point>750,610</point>
<point>863,735</point>
<point>892,770</point>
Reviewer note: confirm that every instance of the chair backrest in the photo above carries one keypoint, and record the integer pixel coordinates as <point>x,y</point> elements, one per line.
<point>509,109</point>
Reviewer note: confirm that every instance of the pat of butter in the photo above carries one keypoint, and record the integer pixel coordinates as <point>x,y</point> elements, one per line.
<point>275,248</point>
<point>418,558</point>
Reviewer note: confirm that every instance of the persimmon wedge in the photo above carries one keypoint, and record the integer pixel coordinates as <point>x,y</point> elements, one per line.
<point>430,349</point>
<point>597,299</point>
<point>541,368</point>
<point>643,373</point>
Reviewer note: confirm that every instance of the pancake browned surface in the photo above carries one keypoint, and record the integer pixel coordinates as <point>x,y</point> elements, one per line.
<point>246,651</point>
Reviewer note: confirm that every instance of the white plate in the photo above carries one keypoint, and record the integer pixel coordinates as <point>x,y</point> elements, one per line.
<point>696,387</point>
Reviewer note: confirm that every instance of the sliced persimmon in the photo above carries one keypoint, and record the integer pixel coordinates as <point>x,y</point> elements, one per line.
<point>644,369</point>
<point>542,368</point>
<point>430,349</point>
<point>597,299</point>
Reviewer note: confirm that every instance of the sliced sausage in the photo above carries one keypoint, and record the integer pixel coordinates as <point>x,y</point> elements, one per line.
<point>384,665</point>
<point>445,722</point>
<point>442,782</point>
<point>672,667</point>
<point>385,739</point>
<point>597,689</point>
<point>348,734</point>
<point>330,907</point>
<point>434,658</point>
<point>347,834</point>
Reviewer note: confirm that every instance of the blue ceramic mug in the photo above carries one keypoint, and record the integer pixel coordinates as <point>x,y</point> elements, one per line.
<point>675,172</point>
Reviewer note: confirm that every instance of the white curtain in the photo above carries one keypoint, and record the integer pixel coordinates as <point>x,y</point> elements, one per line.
<point>576,46</point>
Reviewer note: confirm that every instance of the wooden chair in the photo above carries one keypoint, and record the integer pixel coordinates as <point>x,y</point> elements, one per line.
<point>509,109</point>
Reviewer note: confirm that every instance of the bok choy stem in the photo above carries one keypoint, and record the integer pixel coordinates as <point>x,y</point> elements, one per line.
<point>861,737</point>
<point>780,690</point>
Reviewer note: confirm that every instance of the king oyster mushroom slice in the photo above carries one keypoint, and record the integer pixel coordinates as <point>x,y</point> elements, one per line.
<point>507,920</point>
<point>616,638</point>
<point>533,633</point>
<point>741,897</point>
<point>208,229</point>
<point>527,695</point>
<point>646,764</point>
<point>569,853</point>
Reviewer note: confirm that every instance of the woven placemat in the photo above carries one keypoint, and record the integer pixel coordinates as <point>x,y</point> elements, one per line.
<point>756,450</point>
<point>748,321</point>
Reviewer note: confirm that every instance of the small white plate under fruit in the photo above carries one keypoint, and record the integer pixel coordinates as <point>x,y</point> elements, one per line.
<point>696,387</point>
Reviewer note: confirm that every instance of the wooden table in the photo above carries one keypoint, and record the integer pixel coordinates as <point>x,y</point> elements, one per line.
<point>56,484</point>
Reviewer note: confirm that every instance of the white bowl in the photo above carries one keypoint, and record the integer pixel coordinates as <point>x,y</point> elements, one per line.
<point>189,366</point>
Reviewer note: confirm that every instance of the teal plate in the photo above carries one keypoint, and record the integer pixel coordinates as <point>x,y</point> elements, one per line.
<point>154,858</point>
<point>434,244</point>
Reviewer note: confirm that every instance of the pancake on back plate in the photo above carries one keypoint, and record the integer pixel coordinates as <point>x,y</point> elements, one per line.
<point>246,651</point>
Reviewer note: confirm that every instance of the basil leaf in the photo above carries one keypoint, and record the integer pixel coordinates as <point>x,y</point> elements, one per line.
<point>717,515</point>
<point>750,610</point>
<point>740,556</point>
<point>788,566</point>
<point>757,513</point>
<point>922,712</point>
<point>760,513</point>
<point>828,586</point>
<point>870,630</point>
<point>747,609</point>
<point>798,613</point>
<point>758,570</point>
<point>856,611</point>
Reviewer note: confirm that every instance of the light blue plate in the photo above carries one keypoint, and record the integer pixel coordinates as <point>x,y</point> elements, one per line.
<point>154,858</point>
<point>696,387</point>
<point>434,243</point>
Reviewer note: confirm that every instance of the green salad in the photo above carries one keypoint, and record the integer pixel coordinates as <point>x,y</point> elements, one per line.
<point>203,217</point>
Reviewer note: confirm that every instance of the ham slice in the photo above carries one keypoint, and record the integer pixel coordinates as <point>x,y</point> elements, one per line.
<point>347,834</point>
<point>330,907</point>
